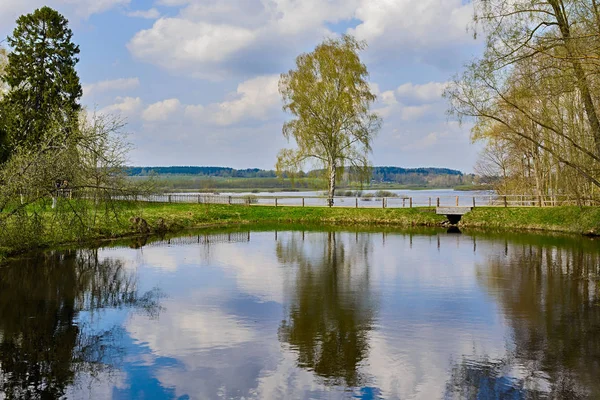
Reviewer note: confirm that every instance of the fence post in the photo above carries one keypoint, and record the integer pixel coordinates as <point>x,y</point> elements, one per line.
<point>229,200</point>
<point>403,202</point>
<point>356,202</point>
<point>473,201</point>
<point>438,202</point>
<point>410,201</point>
<point>169,198</point>
<point>456,201</point>
<point>383,202</point>
<point>303,202</point>
<point>275,201</point>
<point>198,199</point>
<point>505,202</point>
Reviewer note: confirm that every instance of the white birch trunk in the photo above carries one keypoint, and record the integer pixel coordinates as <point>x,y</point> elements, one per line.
<point>332,176</point>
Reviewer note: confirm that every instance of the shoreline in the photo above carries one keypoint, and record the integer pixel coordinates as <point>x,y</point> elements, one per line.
<point>165,218</point>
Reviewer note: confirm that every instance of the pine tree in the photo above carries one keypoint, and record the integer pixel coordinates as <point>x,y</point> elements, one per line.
<point>44,87</point>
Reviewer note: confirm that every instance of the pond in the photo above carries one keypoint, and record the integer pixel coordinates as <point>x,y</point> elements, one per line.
<point>299,313</point>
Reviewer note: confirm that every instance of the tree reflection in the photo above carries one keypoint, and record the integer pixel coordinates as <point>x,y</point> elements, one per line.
<point>551,299</point>
<point>331,308</point>
<point>42,346</point>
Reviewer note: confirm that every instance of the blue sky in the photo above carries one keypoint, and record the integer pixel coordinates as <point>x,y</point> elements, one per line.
<point>196,80</point>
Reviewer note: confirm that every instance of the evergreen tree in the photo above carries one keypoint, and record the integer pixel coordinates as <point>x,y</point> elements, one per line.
<point>44,88</point>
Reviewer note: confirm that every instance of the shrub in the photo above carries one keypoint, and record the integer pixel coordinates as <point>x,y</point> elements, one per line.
<point>385,193</point>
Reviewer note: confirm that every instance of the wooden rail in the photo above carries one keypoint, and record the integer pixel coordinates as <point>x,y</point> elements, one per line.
<point>369,202</point>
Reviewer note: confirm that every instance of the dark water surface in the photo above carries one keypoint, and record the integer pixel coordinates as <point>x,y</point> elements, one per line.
<point>306,315</point>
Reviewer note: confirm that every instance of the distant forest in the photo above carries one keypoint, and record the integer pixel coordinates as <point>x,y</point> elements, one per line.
<point>380,174</point>
<point>208,178</point>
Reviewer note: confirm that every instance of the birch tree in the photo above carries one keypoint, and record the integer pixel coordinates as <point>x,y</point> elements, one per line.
<point>536,88</point>
<point>330,98</point>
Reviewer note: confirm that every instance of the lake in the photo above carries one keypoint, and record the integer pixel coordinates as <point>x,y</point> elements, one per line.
<point>302,313</point>
<point>421,198</point>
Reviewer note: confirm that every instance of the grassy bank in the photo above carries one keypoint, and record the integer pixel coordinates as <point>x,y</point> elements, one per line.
<point>145,219</point>
<point>570,219</point>
<point>183,216</point>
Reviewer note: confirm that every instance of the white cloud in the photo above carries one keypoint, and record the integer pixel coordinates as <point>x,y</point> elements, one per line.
<point>110,85</point>
<point>217,39</point>
<point>86,8</point>
<point>124,106</point>
<point>427,92</point>
<point>413,102</point>
<point>10,10</point>
<point>161,111</point>
<point>176,44</point>
<point>413,23</point>
<point>152,13</point>
<point>423,143</point>
<point>184,328</point>
<point>413,113</point>
<point>254,99</point>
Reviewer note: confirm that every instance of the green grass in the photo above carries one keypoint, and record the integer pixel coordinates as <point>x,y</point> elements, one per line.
<point>569,219</point>
<point>467,188</point>
<point>184,216</point>
<point>174,218</point>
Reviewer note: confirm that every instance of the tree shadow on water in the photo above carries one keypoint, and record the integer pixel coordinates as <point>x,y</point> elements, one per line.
<point>331,310</point>
<point>550,298</point>
<point>43,345</point>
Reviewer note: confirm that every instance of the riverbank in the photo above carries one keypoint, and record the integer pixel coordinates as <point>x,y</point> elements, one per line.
<point>171,217</point>
<point>568,219</point>
<point>160,218</point>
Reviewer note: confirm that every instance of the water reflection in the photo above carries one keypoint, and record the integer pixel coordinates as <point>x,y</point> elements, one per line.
<point>331,310</point>
<point>306,314</point>
<point>551,299</point>
<point>42,345</point>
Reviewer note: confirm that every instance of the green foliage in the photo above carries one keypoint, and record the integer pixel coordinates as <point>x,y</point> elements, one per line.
<point>533,96</point>
<point>580,220</point>
<point>209,179</point>
<point>385,193</point>
<point>330,98</point>
<point>91,162</point>
<point>3,64</point>
<point>44,88</point>
<point>222,172</point>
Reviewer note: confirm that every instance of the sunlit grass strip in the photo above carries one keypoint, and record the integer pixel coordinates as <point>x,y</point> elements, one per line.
<point>173,218</point>
<point>568,219</point>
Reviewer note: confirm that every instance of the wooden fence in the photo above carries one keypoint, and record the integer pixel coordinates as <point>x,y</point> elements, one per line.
<point>369,202</point>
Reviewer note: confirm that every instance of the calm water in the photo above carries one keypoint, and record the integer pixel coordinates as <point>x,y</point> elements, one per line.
<point>306,314</point>
<point>420,198</point>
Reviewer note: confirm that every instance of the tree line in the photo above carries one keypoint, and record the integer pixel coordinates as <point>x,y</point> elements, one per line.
<point>379,174</point>
<point>533,96</point>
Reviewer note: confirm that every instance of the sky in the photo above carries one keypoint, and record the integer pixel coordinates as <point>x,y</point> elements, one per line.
<point>196,80</point>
